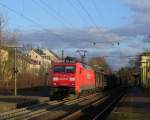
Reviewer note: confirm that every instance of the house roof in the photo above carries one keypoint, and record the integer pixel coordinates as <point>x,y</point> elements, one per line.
<point>29,60</point>
<point>54,54</point>
<point>39,51</point>
<point>145,54</point>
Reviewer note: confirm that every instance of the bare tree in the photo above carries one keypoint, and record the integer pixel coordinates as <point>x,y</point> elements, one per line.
<point>100,62</point>
<point>1,46</point>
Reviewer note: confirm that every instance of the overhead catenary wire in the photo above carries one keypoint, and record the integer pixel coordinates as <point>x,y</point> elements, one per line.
<point>107,42</point>
<point>28,19</point>
<point>77,10</point>
<point>124,56</point>
<point>56,13</point>
<point>96,8</point>
<point>88,14</point>
<point>45,10</point>
<point>20,14</point>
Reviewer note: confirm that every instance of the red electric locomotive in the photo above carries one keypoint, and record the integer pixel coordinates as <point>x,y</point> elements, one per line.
<point>72,77</point>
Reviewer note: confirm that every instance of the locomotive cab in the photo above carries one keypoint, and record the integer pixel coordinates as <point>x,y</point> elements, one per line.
<point>63,76</point>
<point>63,79</point>
<point>71,78</point>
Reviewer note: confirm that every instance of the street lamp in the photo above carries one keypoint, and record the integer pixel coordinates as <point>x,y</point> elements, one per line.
<point>15,68</point>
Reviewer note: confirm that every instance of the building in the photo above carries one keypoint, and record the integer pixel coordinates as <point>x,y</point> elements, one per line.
<point>3,55</point>
<point>36,55</point>
<point>32,68</point>
<point>50,55</point>
<point>145,69</point>
<point>40,55</point>
<point>27,64</point>
<point>43,57</point>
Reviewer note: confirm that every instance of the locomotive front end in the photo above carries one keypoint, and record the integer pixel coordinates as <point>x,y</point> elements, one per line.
<point>63,79</point>
<point>63,76</point>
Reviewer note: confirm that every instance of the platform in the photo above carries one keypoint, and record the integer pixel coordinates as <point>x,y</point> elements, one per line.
<point>135,105</point>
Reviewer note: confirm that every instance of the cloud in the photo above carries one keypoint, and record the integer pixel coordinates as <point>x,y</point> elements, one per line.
<point>69,38</point>
<point>141,18</point>
<point>72,39</point>
<point>131,37</point>
<point>138,5</point>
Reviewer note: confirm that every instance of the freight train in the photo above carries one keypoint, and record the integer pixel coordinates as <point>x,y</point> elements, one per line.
<point>76,78</point>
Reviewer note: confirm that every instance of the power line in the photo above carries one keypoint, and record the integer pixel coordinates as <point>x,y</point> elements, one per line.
<point>54,11</point>
<point>122,56</point>
<point>77,10</point>
<point>47,11</point>
<point>20,14</point>
<point>28,19</point>
<point>95,6</point>
<point>88,14</point>
<point>108,42</point>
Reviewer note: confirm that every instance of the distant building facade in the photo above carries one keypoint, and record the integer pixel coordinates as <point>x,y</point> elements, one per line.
<point>43,57</point>
<point>3,55</point>
<point>145,69</point>
<point>32,68</point>
<point>35,55</point>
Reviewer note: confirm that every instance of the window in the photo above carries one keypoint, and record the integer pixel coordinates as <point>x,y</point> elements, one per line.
<point>59,69</point>
<point>70,69</point>
<point>64,69</point>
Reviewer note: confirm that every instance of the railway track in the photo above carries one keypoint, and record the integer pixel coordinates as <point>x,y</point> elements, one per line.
<point>66,109</point>
<point>37,110</point>
<point>63,111</point>
<point>98,110</point>
<point>103,114</point>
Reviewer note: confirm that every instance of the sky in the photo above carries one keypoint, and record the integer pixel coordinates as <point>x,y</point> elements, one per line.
<point>76,24</point>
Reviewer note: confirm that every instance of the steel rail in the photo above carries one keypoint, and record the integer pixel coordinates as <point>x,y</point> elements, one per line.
<point>61,111</point>
<point>44,110</point>
<point>109,106</point>
<point>38,109</point>
<point>77,114</point>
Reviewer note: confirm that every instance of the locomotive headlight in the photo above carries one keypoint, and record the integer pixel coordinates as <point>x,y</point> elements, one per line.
<point>72,79</point>
<point>55,78</point>
<point>54,84</point>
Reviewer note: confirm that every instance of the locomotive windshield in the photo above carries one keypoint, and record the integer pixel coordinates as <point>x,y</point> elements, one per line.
<point>58,69</point>
<point>70,69</point>
<point>64,69</point>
